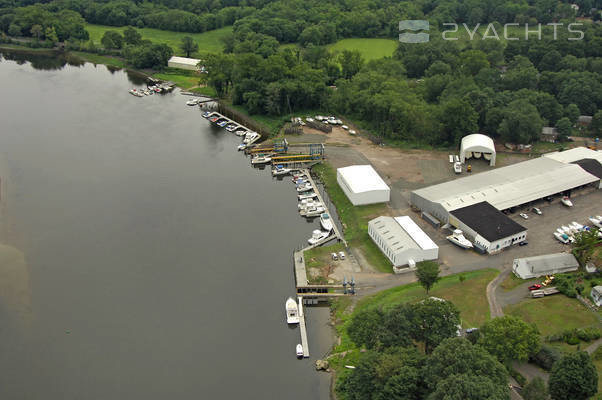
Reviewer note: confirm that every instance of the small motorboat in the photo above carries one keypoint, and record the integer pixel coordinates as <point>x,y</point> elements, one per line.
<point>305,187</point>
<point>597,221</point>
<point>312,212</point>
<point>260,160</point>
<point>561,237</point>
<point>221,124</point>
<point>241,147</point>
<point>280,170</point>
<point>193,102</point>
<point>308,203</point>
<point>299,350</point>
<point>292,311</point>
<point>305,196</point>
<point>240,131</point>
<point>345,127</point>
<point>317,236</point>
<point>326,222</point>
<point>457,238</point>
<point>566,201</point>
<point>206,114</point>
<point>457,167</point>
<point>476,154</point>
<point>231,127</point>
<point>213,119</point>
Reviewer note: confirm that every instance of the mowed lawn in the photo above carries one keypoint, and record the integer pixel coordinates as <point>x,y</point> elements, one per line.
<point>371,49</point>
<point>553,314</point>
<point>209,42</point>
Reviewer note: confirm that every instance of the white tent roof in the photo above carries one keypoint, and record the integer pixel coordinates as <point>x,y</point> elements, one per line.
<point>184,60</point>
<point>362,178</point>
<point>416,233</point>
<point>477,142</point>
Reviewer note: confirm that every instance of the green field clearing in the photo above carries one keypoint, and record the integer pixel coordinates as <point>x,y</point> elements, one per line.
<point>554,314</point>
<point>209,42</point>
<point>371,49</point>
<point>469,296</point>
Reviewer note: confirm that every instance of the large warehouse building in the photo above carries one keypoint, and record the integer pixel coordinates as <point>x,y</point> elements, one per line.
<point>402,241</point>
<point>549,264</point>
<point>509,187</point>
<point>363,185</point>
<point>477,146</point>
<point>184,63</point>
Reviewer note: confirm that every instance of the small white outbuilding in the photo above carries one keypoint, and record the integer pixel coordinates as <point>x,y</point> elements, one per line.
<point>402,241</point>
<point>477,146</point>
<point>363,185</point>
<point>184,63</point>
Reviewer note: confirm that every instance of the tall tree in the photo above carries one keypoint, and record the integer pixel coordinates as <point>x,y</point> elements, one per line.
<point>36,30</point>
<point>563,127</point>
<point>427,273</point>
<point>585,245</point>
<point>188,45</point>
<point>509,338</point>
<point>351,63</point>
<point>573,377</point>
<point>535,390</point>
<point>433,321</point>
<point>131,36</point>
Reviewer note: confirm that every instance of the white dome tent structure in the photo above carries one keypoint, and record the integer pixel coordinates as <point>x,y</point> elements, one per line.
<point>477,146</point>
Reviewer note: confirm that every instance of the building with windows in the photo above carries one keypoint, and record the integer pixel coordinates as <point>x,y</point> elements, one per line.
<point>402,242</point>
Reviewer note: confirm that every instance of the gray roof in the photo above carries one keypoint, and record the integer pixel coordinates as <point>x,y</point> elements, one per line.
<point>597,289</point>
<point>548,262</point>
<point>396,237</point>
<point>509,186</point>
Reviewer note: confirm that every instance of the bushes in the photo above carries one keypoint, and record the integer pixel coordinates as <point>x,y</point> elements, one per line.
<point>546,357</point>
<point>575,336</point>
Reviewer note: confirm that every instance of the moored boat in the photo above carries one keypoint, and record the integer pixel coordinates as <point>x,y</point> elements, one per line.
<point>317,236</point>
<point>261,160</point>
<point>566,201</point>
<point>326,222</point>
<point>299,350</point>
<point>292,311</point>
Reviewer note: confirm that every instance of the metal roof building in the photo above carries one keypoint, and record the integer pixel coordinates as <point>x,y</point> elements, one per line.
<point>184,63</point>
<point>363,185</point>
<point>477,145</point>
<point>402,241</point>
<point>504,187</point>
<point>533,267</point>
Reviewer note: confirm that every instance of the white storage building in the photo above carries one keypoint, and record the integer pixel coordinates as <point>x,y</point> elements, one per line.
<point>363,185</point>
<point>549,264</point>
<point>477,146</point>
<point>184,63</point>
<point>402,241</point>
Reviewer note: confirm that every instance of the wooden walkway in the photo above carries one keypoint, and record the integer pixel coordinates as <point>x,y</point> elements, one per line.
<point>303,329</point>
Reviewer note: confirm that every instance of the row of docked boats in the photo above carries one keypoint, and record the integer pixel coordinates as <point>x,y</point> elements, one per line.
<point>158,87</point>
<point>248,137</point>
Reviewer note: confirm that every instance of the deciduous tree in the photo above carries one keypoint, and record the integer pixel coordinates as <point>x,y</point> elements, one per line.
<point>509,338</point>
<point>573,377</point>
<point>188,45</point>
<point>427,273</point>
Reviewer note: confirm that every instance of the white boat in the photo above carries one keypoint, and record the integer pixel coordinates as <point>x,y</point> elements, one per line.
<point>352,132</point>
<point>240,132</point>
<point>307,196</point>
<point>326,222</point>
<point>299,350</point>
<point>577,226</point>
<point>476,154</point>
<point>305,187</point>
<point>260,160</point>
<point>457,238</point>
<point>207,114</point>
<point>279,170</point>
<point>192,102</point>
<point>317,236</point>
<point>566,201</point>
<point>487,156</point>
<point>457,167</point>
<point>451,159</point>
<point>242,146</point>
<point>597,222</point>
<point>565,229</point>
<point>292,311</point>
<point>308,203</point>
<point>345,127</point>
<point>561,237</point>
<point>312,212</point>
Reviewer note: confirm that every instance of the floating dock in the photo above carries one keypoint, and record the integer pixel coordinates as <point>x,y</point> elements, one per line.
<point>303,329</point>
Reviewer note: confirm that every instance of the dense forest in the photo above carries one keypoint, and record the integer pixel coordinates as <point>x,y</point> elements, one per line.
<point>427,93</point>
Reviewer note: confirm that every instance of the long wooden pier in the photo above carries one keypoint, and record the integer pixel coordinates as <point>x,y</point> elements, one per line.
<point>303,329</point>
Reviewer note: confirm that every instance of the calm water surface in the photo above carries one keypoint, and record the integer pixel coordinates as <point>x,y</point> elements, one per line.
<point>142,257</point>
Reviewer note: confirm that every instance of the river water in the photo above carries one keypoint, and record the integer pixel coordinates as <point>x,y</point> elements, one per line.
<point>142,257</point>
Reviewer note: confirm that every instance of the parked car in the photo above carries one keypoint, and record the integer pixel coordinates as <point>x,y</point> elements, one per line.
<point>523,215</point>
<point>536,211</point>
<point>334,256</point>
<point>523,243</point>
<point>341,255</point>
<point>537,286</point>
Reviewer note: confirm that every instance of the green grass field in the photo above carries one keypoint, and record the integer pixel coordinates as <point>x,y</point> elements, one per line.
<point>553,314</point>
<point>209,42</point>
<point>469,296</point>
<point>371,49</point>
